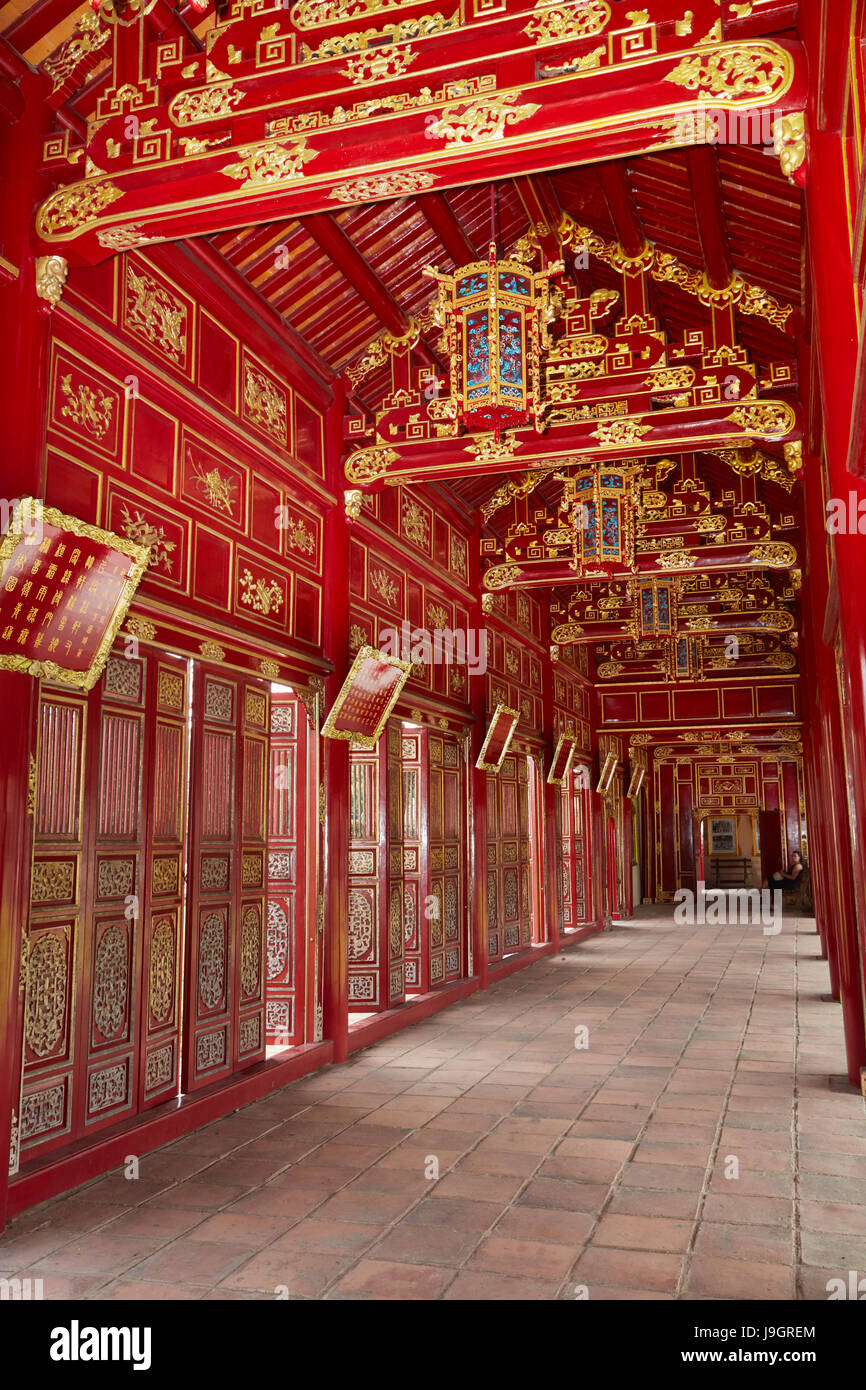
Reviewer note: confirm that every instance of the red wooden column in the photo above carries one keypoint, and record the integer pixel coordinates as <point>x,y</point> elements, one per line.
<point>836,336</point>
<point>551,796</point>
<point>476,782</point>
<point>23,393</point>
<point>335,985</point>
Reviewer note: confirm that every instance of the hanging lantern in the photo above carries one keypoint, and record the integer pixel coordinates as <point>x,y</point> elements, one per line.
<point>495,315</point>
<point>602,519</point>
<point>657,607</point>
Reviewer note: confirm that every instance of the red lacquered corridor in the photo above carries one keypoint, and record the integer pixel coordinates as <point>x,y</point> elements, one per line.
<point>603,1166</point>
<point>433,671</point>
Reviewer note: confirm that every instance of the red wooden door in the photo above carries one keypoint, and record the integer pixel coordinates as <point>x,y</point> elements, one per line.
<point>772,854</point>
<point>225,920</point>
<point>376,904</point>
<point>416,889</point>
<point>101,1010</point>
<point>447,888</point>
<point>509,895</point>
<point>286,871</point>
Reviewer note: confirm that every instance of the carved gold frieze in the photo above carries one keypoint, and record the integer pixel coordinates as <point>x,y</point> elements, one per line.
<point>579,19</point>
<point>204,104</point>
<point>269,163</point>
<point>74,206</point>
<point>365,465</point>
<point>767,418</point>
<point>382,186</point>
<point>738,72</point>
<point>122,238</point>
<point>475,122</point>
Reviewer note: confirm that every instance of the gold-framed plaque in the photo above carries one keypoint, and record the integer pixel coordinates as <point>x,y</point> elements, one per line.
<point>607,772</point>
<point>637,781</point>
<point>562,759</point>
<point>368,695</point>
<point>498,738</point>
<point>65,589</point>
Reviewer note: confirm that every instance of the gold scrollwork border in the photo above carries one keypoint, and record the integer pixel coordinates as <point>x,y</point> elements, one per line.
<point>365,740</point>
<point>501,711</point>
<point>49,670</point>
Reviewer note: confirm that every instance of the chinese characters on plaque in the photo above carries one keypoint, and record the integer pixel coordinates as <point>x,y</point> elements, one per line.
<point>65,587</point>
<point>370,691</point>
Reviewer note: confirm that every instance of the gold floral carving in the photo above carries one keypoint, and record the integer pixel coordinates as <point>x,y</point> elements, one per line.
<point>141,628</point>
<point>219,492</point>
<point>487,449</point>
<point>152,312</point>
<point>74,206</point>
<point>121,238</point>
<point>265,403</point>
<point>137,528</point>
<point>366,465</point>
<point>92,409</point>
<point>45,1008</point>
<point>614,433</point>
<point>51,274</point>
<point>357,637</point>
<point>416,526</point>
<point>384,586</point>
<point>300,537</point>
<point>260,594</point>
<point>778,554</point>
<point>474,122</point>
<point>502,576</point>
<point>739,72</point>
<point>311,14</point>
<point>579,19</point>
<point>767,418</point>
<point>204,104</point>
<point>269,164</point>
<point>379,65</point>
<point>382,186</point>
<point>676,559</point>
<point>271,669</point>
<point>212,651</point>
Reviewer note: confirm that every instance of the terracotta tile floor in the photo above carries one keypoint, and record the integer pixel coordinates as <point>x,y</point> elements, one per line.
<point>710,1053</point>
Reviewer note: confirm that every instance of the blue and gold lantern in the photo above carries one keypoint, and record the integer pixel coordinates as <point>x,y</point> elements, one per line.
<point>657,607</point>
<point>495,315</point>
<point>602,517</point>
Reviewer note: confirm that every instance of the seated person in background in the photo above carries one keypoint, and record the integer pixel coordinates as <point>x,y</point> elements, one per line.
<point>788,878</point>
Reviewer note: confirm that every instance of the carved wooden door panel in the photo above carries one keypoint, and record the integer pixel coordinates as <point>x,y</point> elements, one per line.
<point>526,867</point>
<point>393,943</point>
<point>566,881</point>
<point>286,872</point>
<point>446,857</point>
<point>226,903</point>
<point>494,863</point>
<point>102,1012</point>
<point>53,945</point>
<point>415,889</point>
<point>509,886</point>
<point>366,855</point>
<point>166,796</point>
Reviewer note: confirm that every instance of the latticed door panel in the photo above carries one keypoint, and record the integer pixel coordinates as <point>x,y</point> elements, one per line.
<point>509,863</point>
<point>414,878</point>
<point>164,876</point>
<point>286,871</point>
<point>52,951</point>
<point>225,920</point>
<point>565,879</point>
<point>393,946</point>
<point>366,852</point>
<point>250,944</point>
<point>446,857</point>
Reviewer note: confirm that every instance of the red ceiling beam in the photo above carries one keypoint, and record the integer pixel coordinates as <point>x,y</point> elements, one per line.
<point>38,21</point>
<point>623,214</point>
<point>328,233</point>
<point>446,225</point>
<point>702,162</point>
<point>541,219</point>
